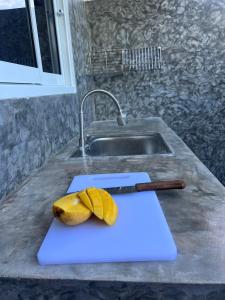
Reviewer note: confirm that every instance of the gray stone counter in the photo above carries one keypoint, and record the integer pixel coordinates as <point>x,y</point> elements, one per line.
<point>196,217</point>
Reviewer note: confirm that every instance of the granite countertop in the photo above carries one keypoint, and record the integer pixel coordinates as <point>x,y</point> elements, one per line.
<point>195,215</point>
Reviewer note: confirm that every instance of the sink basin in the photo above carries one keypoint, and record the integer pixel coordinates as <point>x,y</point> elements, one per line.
<point>151,144</point>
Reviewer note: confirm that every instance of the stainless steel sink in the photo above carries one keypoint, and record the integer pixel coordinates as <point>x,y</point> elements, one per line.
<point>151,144</point>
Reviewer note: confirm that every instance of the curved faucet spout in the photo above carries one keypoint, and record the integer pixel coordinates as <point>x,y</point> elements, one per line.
<point>121,117</point>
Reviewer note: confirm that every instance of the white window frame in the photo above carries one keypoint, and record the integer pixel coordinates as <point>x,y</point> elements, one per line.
<point>24,81</point>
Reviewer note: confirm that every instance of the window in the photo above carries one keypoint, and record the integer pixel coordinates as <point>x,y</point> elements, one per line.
<point>35,47</point>
<point>45,19</point>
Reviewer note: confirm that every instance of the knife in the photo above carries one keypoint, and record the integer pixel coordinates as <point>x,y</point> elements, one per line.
<point>148,186</point>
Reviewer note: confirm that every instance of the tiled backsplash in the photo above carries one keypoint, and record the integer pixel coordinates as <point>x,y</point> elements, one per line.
<point>81,41</point>
<point>189,91</point>
<point>31,130</point>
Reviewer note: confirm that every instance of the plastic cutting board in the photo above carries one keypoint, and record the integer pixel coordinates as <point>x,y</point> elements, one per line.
<point>140,233</point>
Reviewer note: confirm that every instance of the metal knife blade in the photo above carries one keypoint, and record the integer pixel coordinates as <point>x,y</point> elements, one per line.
<point>121,189</point>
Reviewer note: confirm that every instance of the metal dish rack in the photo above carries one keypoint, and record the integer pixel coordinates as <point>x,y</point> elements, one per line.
<point>124,60</point>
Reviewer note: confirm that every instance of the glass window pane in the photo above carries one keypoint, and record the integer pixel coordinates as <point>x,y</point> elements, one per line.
<point>47,35</point>
<point>16,37</point>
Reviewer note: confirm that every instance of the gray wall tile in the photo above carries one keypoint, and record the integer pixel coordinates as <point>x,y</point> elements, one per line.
<point>81,41</point>
<point>189,91</point>
<point>31,130</point>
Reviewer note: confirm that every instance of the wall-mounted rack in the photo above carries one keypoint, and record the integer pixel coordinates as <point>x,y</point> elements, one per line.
<point>124,60</point>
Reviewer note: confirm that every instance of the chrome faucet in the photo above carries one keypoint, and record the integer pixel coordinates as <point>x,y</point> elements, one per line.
<point>121,117</point>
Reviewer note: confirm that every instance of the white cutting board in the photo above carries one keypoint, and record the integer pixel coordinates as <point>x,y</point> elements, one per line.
<point>140,233</point>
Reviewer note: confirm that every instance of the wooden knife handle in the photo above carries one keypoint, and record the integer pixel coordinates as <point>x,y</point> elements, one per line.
<point>160,185</point>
